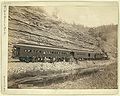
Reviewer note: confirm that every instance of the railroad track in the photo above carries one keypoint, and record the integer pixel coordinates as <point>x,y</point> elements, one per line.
<point>83,69</point>
<point>54,78</point>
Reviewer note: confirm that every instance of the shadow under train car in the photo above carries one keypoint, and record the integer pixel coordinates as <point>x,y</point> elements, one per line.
<point>33,53</point>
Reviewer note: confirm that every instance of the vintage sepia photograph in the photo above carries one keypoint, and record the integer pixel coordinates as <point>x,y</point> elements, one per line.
<point>63,47</point>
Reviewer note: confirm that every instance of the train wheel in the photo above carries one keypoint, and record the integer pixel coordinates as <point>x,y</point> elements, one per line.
<point>67,59</point>
<point>62,59</point>
<point>36,59</point>
<point>39,59</point>
<point>56,59</point>
<point>80,59</point>
<point>21,59</point>
<point>43,59</point>
<point>27,59</point>
<point>51,60</point>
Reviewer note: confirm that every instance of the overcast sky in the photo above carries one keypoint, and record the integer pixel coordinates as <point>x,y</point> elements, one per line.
<point>89,16</point>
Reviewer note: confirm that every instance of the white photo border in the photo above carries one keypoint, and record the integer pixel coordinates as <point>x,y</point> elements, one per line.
<point>4,52</point>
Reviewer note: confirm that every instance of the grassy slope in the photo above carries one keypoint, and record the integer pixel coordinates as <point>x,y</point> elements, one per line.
<point>105,79</point>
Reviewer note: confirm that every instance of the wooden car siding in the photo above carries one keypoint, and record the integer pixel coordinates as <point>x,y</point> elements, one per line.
<point>40,52</point>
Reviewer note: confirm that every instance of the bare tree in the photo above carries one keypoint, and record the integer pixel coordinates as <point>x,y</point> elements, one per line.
<point>55,13</point>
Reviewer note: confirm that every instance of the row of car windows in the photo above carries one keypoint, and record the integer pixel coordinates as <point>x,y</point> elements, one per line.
<point>81,53</point>
<point>90,54</point>
<point>44,52</point>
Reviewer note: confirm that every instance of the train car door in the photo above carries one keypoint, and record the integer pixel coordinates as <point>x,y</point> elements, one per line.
<point>16,51</point>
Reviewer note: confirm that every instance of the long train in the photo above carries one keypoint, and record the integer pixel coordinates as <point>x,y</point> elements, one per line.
<point>34,53</point>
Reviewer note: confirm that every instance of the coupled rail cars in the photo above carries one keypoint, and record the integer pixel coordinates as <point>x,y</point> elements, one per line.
<point>34,53</point>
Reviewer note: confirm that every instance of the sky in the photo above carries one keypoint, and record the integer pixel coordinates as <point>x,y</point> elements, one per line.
<point>91,16</point>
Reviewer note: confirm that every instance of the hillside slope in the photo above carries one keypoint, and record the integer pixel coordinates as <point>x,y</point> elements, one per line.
<point>33,25</point>
<point>107,38</point>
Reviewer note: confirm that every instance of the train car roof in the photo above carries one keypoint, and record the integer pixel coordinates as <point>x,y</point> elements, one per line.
<point>50,47</point>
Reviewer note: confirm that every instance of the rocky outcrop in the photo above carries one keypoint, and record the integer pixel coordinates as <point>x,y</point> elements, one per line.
<point>107,38</point>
